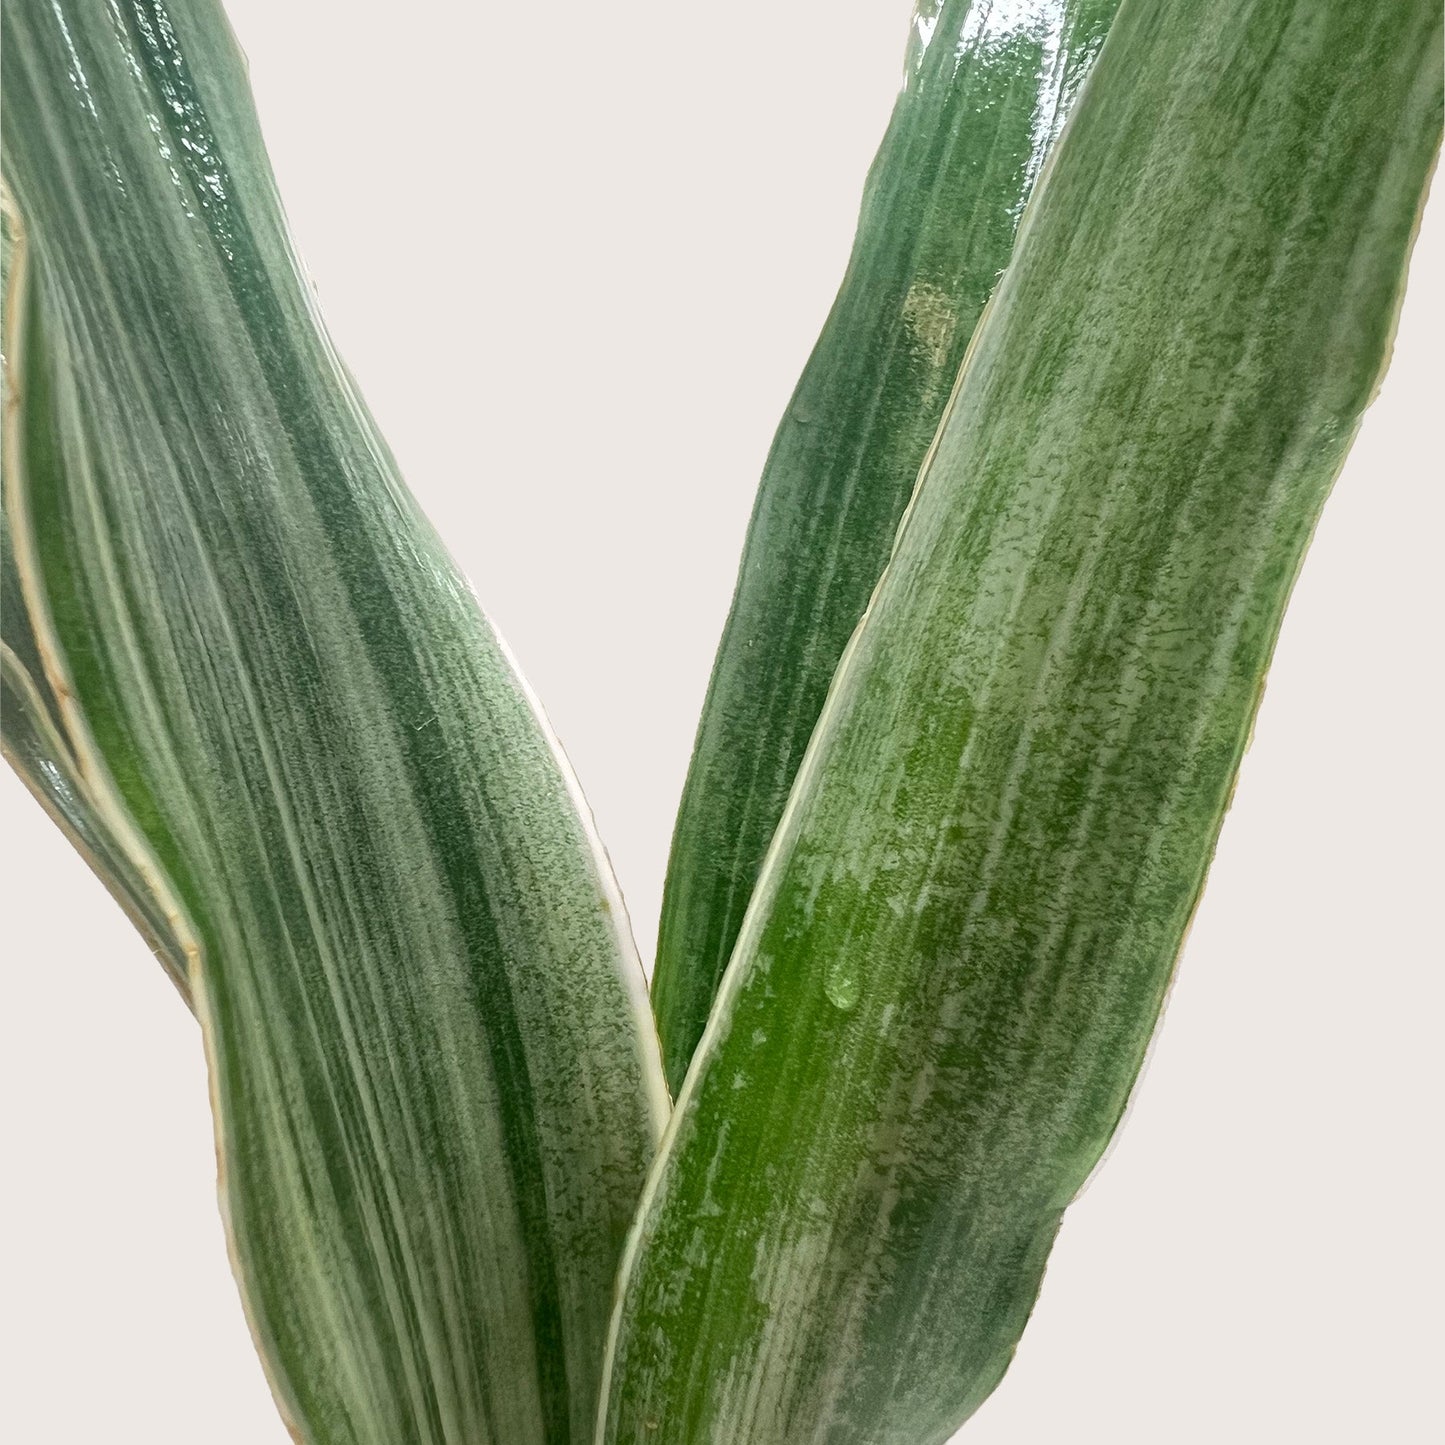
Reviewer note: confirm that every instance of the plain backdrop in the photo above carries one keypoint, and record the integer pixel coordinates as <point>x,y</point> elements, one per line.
<point>576,256</point>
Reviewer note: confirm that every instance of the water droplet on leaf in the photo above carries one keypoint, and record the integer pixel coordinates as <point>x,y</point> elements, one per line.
<point>843,982</point>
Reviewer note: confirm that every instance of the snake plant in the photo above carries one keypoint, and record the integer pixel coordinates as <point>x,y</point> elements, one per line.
<point>1018,561</point>
<point>436,1086</point>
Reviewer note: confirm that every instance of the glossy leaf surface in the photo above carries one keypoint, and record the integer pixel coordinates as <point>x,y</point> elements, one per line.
<point>436,1085</point>
<point>963,934</point>
<point>986,89</point>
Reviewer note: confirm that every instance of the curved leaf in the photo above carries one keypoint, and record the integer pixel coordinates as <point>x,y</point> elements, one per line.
<point>435,1080</point>
<point>31,726</point>
<point>40,757</point>
<point>964,931</point>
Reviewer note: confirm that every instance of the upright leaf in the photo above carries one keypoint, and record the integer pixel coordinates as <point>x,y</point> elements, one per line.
<point>986,88</point>
<point>435,1081</point>
<point>962,937</point>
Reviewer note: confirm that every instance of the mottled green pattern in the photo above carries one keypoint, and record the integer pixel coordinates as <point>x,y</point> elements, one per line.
<point>436,1084</point>
<point>960,943</point>
<point>986,88</point>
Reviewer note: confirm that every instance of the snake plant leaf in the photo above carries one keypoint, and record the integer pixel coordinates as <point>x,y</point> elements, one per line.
<point>963,934</point>
<point>986,88</point>
<point>436,1086</point>
<point>35,748</point>
<point>32,732</point>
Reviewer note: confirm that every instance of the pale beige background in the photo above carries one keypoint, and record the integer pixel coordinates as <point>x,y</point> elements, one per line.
<point>577,255</point>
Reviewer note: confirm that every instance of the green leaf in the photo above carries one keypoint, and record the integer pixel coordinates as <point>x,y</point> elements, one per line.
<point>34,747</point>
<point>31,727</point>
<point>964,931</point>
<point>986,88</point>
<point>435,1080</point>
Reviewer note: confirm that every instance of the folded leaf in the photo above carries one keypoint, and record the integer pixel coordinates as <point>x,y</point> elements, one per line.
<point>963,934</point>
<point>34,747</point>
<point>32,731</point>
<point>435,1080</point>
<point>986,88</point>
